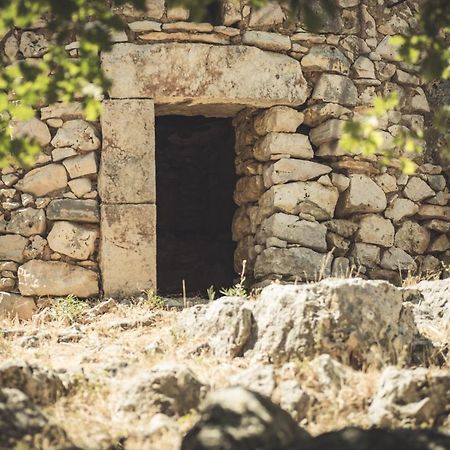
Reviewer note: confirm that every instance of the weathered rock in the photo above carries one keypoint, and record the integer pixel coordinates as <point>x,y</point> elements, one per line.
<point>80,186</point>
<point>205,74</point>
<point>362,196</point>
<point>415,397</point>
<point>307,197</point>
<point>169,388</point>
<point>397,259</point>
<point>12,247</point>
<point>325,58</point>
<point>296,263</point>
<point>13,305</point>
<point>258,378</point>
<point>65,111</point>
<point>26,222</point>
<point>239,419</point>
<point>43,180</point>
<point>440,244</point>
<point>412,238</point>
<point>71,239</point>
<point>400,208</point>
<point>277,145</point>
<point>366,254</point>
<point>373,229</point>
<point>56,278</point>
<point>356,315</point>
<point>293,230</point>
<point>329,373</point>
<point>364,68</point>
<point>267,16</point>
<point>73,210</point>
<point>33,45</point>
<point>248,189</point>
<point>153,9</point>
<point>81,165</point>
<point>78,134</point>
<point>42,386</point>
<point>386,50</point>
<point>266,41</point>
<point>224,325</point>
<point>335,89</point>
<point>434,212</point>
<point>286,169</point>
<point>316,114</point>
<point>293,399</point>
<point>327,132</point>
<point>279,119</point>
<point>33,129</point>
<point>417,190</point>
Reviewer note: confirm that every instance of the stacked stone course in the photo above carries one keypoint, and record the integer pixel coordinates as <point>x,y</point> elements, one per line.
<point>305,208</point>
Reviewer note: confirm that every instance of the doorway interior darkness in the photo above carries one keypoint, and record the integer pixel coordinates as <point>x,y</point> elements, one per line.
<point>195,180</point>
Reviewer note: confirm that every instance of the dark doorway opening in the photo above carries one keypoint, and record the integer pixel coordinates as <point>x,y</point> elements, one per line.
<point>195,180</point>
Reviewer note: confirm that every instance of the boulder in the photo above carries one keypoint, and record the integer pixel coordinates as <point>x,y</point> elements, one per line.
<point>239,419</point>
<point>335,89</point>
<point>26,222</point>
<point>279,119</point>
<point>325,58</point>
<point>286,169</point>
<point>73,210</point>
<point>43,180</point>
<point>15,306</point>
<point>71,239</point>
<point>277,145</point>
<point>12,247</point>
<point>77,134</point>
<point>374,229</point>
<point>56,278</point>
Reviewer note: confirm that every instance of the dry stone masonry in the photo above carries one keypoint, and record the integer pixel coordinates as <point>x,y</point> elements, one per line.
<point>82,221</point>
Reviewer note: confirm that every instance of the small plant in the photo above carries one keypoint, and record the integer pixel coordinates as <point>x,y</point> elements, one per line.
<point>154,300</point>
<point>238,290</point>
<point>211,293</point>
<point>68,309</point>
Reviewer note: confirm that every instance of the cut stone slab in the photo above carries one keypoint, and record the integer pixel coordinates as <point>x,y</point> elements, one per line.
<point>56,278</point>
<point>285,170</point>
<point>267,41</point>
<point>12,247</point>
<point>325,58</point>
<point>78,134</point>
<point>43,180</point>
<point>277,145</point>
<point>374,229</point>
<point>13,305</point>
<point>335,89</point>
<point>127,173</point>
<point>362,196</point>
<point>204,74</point>
<point>73,210</point>
<point>74,240</point>
<point>128,236</point>
<point>279,119</point>
<point>33,129</point>
<point>81,165</point>
<point>294,263</point>
<point>27,222</point>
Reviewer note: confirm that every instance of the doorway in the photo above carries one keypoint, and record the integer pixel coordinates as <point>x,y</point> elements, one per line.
<point>195,180</point>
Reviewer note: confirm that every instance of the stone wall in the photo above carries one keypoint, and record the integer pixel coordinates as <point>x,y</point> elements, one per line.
<point>305,208</point>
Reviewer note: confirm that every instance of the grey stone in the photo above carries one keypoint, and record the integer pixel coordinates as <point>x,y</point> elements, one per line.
<point>26,222</point>
<point>335,89</point>
<point>78,134</point>
<point>397,259</point>
<point>412,237</point>
<point>325,58</point>
<point>73,210</point>
<point>258,378</point>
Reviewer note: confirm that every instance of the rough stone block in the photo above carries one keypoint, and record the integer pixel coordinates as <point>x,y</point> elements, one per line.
<point>27,221</point>
<point>374,229</point>
<point>12,247</point>
<point>285,170</point>
<point>335,89</point>
<point>267,41</point>
<point>44,180</point>
<point>81,165</point>
<point>277,145</point>
<point>279,119</point>
<point>73,210</point>
<point>78,134</point>
<point>325,58</point>
<point>13,305</point>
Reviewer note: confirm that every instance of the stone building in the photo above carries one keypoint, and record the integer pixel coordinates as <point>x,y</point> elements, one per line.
<point>218,143</point>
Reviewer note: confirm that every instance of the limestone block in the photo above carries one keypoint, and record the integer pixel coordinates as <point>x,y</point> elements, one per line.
<point>400,208</point>
<point>13,305</point>
<point>417,190</point>
<point>412,238</point>
<point>127,173</point>
<point>80,186</point>
<point>78,134</point>
<point>73,210</point>
<point>66,111</point>
<point>316,114</point>
<point>56,278</point>
<point>343,227</point>
<point>267,16</point>
<point>33,129</point>
<point>26,221</point>
<point>277,145</point>
<point>267,41</point>
<point>190,27</point>
<point>362,196</point>
<point>12,247</point>
<point>294,263</point>
<point>33,45</point>
<point>128,249</point>
<point>285,170</point>
<point>397,259</point>
<point>178,13</point>
<point>43,180</point>
<point>154,9</point>
<point>71,239</point>
<point>279,119</point>
<point>364,68</point>
<point>291,229</point>
<point>325,58</point>
<point>204,74</point>
<point>81,165</point>
<point>434,212</point>
<point>327,132</point>
<point>307,197</point>
<point>374,229</point>
<point>437,225</point>
<point>335,89</point>
<point>367,255</point>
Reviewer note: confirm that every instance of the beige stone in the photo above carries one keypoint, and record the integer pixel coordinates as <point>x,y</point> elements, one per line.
<point>44,180</point>
<point>11,47</point>
<point>56,278</point>
<point>417,190</point>
<point>231,12</point>
<point>154,9</point>
<point>248,189</point>
<point>367,255</point>
<point>397,259</point>
<point>386,50</point>
<point>434,212</point>
<point>178,13</point>
<point>267,16</point>
<point>386,182</point>
<point>66,111</point>
<point>144,25</point>
<point>33,129</point>
<point>277,145</point>
<point>12,247</point>
<point>13,305</point>
<point>128,249</point>
<point>127,173</point>
<point>77,134</point>
<point>400,208</point>
<point>55,123</point>
<point>335,89</point>
<point>437,225</point>
<point>279,119</point>
<point>412,238</point>
<point>59,154</point>
<point>362,196</point>
<point>440,244</point>
<point>285,170</point>
<point>316,114</point>
<point>71,239</point>
<point>73,210</point>
<point>26,222</point>
<point>204,74</point>
<point>33,45</point>
<point>374,229</point>
<point>393,25</point>
<point>204,38</point>
<point>416,100</point>
<point>325,58</point>
<point>327,132</point>
<point>81,165</point>
<point>364,68</point>
<point>267,41</point>
<point>190,27</point>
<point>80,186</point>
<point>340,181</point>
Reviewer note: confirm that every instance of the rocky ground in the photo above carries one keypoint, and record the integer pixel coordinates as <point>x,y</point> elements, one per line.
<point>285,369</point>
